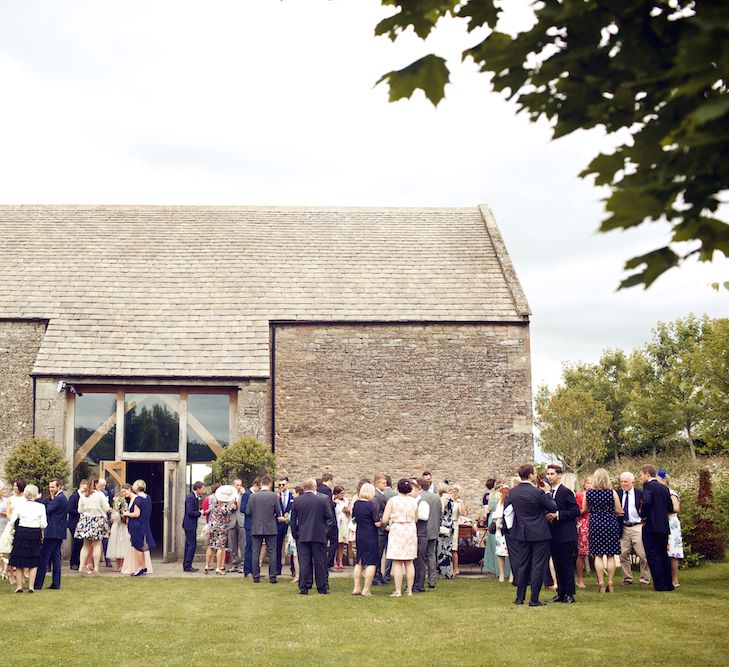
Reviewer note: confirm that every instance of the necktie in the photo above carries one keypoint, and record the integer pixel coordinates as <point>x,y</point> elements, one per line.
<point>625,507</point>
<point>552,492</point>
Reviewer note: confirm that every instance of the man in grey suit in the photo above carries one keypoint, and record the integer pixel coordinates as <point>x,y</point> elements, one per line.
<point>263,508</point>
<point>434,519</point>
<point>237,532</point>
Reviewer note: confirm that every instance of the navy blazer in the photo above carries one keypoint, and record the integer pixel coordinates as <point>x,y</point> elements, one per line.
<point>656,507</point>
<point>57,512</point>
<point>564,529</point>
<point>285,508</point>
<point>192,511</point>
<point>243,506</point>
<point>73,515</point>
<point>530,507</point>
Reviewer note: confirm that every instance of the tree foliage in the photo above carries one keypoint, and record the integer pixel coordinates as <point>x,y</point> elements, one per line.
<point>707,537</point>
<point>713,371</point>
<point>654,70</point>
<point>246,458</point>
<point>572,426</point>
<point>37,461</point>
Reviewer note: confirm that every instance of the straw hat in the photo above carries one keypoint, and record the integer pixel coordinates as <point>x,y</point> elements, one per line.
<point>226,493</point>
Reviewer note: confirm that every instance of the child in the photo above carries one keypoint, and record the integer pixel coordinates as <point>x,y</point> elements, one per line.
<point>290,546</point>
<point>342,520</point>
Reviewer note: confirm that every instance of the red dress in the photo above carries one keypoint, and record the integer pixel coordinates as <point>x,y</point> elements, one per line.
<point>583,521</point>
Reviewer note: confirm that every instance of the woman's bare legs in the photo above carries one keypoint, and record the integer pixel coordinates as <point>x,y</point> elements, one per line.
<point>369,575</point>
<point>410,572</point>
<point>397,573</point>
<point>356,575</point>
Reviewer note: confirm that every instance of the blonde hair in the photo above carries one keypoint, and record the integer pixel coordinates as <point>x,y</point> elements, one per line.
<point>139,485</point>
<point>601,479</point>
<point>31,492</point>
<point>442,488</point>
<point>366,491</point>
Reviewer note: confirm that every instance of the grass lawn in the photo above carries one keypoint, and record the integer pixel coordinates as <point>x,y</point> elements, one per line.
<point>226,621</point>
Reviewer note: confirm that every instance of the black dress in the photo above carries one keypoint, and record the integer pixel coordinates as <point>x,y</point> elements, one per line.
<point>364,514</point>
<point>604,529</point>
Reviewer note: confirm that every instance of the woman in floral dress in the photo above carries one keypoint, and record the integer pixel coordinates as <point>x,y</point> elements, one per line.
<point>583,523</point>
<point>445,537</point>
<point>675,541</point>
<point>402,543</point>
<point>222,507</point>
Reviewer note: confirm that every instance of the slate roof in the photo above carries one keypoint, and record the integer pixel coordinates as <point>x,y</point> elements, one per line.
<point>189,291</point>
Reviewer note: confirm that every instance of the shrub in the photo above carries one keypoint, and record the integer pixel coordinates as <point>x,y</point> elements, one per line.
<point>246,458</point>
<point>37,461</point>
<point>707,537</point>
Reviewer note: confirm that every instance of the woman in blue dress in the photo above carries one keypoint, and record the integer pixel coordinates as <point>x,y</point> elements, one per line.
<point>365,517</point>
<point>140,531</point>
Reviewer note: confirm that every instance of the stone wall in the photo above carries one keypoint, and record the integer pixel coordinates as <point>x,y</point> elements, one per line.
<point>253,410</point>
<point>50,411</point>
<point>19,344</point>
<point>454,399</point>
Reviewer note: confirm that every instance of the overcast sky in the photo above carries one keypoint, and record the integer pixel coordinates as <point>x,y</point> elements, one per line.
<point>273,103</point>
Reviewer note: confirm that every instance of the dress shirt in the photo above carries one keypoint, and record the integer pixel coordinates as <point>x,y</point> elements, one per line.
<point>632,516</point>
<point>553,491</point>
<point>423,510</point>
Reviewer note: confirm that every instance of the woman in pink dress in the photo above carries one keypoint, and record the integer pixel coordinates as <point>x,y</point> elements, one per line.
<point>583,521</point>
<point>402,544</point>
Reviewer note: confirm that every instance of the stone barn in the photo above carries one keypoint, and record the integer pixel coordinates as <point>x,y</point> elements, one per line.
<point>350,340</point>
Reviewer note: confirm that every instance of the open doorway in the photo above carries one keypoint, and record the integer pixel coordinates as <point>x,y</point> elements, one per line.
<point>152,472</point>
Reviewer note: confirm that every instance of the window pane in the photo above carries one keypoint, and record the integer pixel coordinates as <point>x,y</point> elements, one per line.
<point>152,423</point>
<point>208,426</point>
<point>94,432</point>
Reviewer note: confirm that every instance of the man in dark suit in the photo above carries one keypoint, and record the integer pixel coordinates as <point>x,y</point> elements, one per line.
<point>189,525</point>
<point>264,512</point>
<point>563,524</point>
<point>531,533</point>
<point>311,521</point>
<point>655,509</point>
<point>73,518</point>
<point>325,488</point>
<point>53,535</point>
<point>631,530</point>
<point>379,501</point>
<point>255,487</point>
<point>434,518</point>
<point>285,501</point>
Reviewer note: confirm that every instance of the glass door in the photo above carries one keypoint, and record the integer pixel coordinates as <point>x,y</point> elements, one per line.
<point>169,530</point>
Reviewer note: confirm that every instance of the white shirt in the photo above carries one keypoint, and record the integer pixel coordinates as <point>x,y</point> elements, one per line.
<point>97,504</point>
<point>31,515</point>
<point>423,509</point>
<point>632,516</point>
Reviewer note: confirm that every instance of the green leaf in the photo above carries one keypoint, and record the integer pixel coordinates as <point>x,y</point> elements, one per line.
<point>478,13</point>
<point>429,74</point>
<point>656,263</point>
<point>604,167</point>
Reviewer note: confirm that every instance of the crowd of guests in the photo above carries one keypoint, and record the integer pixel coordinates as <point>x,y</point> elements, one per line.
<point>536,529</point>
<point>101,527</point>
<point>540,529</point>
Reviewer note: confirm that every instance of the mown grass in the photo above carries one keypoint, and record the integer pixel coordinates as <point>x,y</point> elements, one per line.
<point>225,621</point>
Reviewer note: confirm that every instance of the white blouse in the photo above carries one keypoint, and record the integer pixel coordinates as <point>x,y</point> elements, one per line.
<point>31,515</point>
<point>97,504</point>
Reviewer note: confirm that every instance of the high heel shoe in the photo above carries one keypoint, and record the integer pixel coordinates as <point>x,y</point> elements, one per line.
<point>610,587</point>
<point>219,571</point>
<point>601,587</point>
<point>207,569</point>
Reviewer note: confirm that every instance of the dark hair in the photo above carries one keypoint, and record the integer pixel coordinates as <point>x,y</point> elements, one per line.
<point>388,480</point>
<point>490,483</point>
<point>556,467</point>
<point>318,482</point>
<point>327,477</point>
<point>423,484</point>
<point>197,485</point>
<point>21,484</point>
<point>404,486</point>
<point>525,470</point>
<point>648,469</point>
<point>256,482</point>
<point>426,472</point>
<point>283,477</point>
<point>337,489</point>
<point>59,482</point>
<point>266,480</point>
<point>299,490</point>
<point>215,487</point>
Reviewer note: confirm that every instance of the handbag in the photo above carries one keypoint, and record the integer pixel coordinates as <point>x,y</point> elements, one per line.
<point>206,531</point>
<point>492,528</point>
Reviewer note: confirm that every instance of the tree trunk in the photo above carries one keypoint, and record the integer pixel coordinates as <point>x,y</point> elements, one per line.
<point>654,448</point>
<point>692,449</point>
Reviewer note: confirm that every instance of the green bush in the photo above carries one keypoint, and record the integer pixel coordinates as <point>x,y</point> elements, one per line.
<point>37,461</point>
<point>246,458</point>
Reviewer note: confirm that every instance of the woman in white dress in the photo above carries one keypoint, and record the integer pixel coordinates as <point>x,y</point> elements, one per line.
<point>402,544</point>
<point>119,542</point>
<point>502,551</point>
<point>675,541</point>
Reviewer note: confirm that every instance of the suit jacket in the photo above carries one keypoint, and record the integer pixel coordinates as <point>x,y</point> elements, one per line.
<point>656,507</point>
<point>192,511</point>
<point>564,529</point>
<point>73,515</point>
<point>324,490</point>
<point>57,514</point>
<point>638,502</point>
<point>244,506</point>
<point>264,512</point>
<point>379,501</point>
<point>285,507</point>
<point>530,506</point>
<point>389,493</point>
<point>311,518</point>
<point>436,513</point>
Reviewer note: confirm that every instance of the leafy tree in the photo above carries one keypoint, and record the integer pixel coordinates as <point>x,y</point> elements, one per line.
<point>713,371</point>
<point>246,458</point>
<point>650,418</point>
<point>37,461</point>
<point>572,426</point>
<point>607,383</point>
<point>675,356</point>
<point>654,71</point>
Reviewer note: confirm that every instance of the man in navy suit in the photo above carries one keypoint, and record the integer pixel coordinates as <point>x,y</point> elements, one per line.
<point>255,487</point>
<point>53,535</point>
<point>325,489</point>
<point>563,524</point>
<point>73,518</point>
<point>285,502</point>
<point>311,522</point>
<point>654,510</point>
<point>531,533</point>
<point>189,525</point>
<point>631,526</point>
